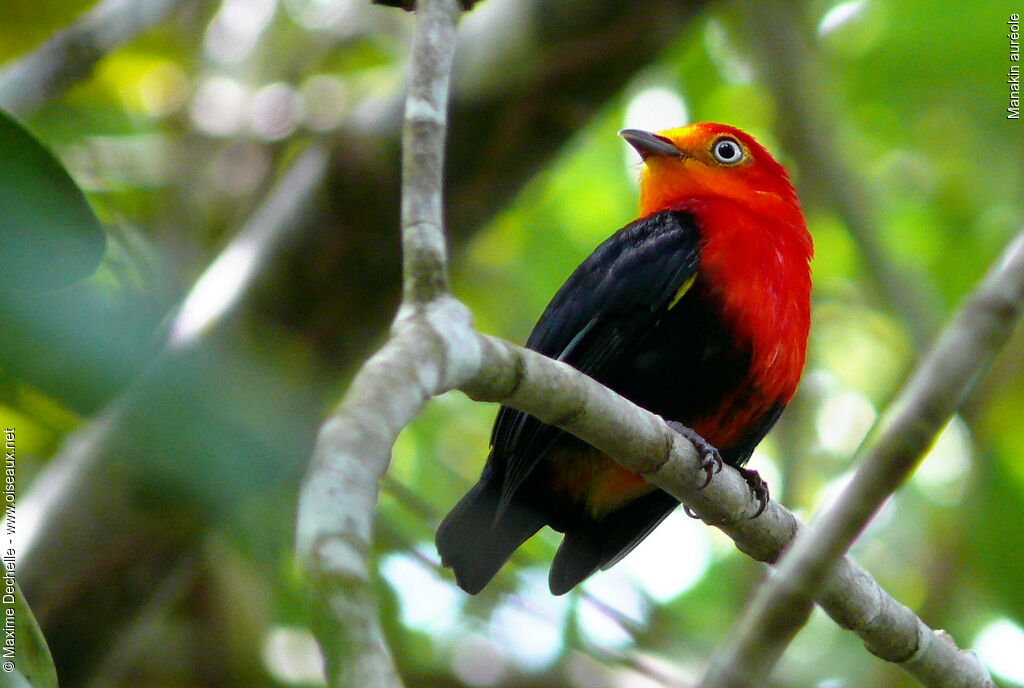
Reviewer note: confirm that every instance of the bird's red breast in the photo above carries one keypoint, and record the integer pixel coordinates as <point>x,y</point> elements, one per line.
<point>754,262</point>
<point>697,311</point>
<point>755,253</point>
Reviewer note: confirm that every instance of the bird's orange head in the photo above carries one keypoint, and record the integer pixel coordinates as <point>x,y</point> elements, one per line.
<point>707,160</point>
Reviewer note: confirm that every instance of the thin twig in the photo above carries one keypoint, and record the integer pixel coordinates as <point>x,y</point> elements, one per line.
<point>423,137</point>
<point>69,56</point>
<point>939,385</point>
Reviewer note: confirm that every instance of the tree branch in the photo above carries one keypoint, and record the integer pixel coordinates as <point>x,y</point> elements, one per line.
<point>938,387</point>
<point>339,495</point>
<point>56,65</point>
<point>433,349</point>
<point>530,111</point>
<point>424,253</point>
<point>558,394</point>
<point>354,448</point>
<point>412,368</point>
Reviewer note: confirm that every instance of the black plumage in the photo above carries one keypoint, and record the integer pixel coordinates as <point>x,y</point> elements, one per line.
<point>638,317</point>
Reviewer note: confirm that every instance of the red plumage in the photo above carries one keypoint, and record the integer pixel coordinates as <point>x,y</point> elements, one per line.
<point>769,307</point>
<point>698,311</point>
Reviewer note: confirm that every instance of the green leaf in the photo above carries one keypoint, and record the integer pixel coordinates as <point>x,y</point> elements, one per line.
<point>31,666</point>
<point>49,236</point>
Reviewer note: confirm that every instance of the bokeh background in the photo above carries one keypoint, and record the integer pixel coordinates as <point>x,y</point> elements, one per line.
<point>160,447</point>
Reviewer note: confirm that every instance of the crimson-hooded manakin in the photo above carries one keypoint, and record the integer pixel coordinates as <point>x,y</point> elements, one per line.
<point>697,311</point>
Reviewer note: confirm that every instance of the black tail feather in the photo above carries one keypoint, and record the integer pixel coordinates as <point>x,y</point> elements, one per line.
<point>599,544</point>
<point>474,542</point>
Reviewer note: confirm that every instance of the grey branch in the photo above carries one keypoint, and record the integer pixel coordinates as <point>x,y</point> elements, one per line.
<point>423,244</point>
<point>516,103</point>
<point>339,495</point>
<point>434,349</point>
<point>938,387</point>
<point>70,55</point>
<point>337,502</point>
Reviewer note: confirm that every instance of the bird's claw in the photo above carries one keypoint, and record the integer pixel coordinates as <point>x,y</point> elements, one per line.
<point>758,488</point>
<point>710,459</point>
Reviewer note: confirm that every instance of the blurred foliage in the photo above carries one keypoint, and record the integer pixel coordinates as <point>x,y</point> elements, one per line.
<point>49,237</point>
<point>35,666</point>
<point>177,136</point>
<point>29,22</point>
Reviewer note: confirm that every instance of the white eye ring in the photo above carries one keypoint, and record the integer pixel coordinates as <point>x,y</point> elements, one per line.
<point>727,151</point>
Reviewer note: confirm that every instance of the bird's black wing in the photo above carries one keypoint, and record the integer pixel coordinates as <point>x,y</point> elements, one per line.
<point>597,319</point>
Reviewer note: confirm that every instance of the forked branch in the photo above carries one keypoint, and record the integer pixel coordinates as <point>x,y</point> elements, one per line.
<point>434,349</point>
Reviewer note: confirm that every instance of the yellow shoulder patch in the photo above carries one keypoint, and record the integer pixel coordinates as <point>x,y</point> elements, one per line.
<point>681,291</point>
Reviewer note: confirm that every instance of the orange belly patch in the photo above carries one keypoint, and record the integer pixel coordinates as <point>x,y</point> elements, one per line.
<point>594,480</point>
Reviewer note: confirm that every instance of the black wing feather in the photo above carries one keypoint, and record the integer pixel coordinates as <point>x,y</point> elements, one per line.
<point>599,316</point>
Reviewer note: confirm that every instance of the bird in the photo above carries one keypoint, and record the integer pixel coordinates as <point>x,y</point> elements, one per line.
<point>698,311</point>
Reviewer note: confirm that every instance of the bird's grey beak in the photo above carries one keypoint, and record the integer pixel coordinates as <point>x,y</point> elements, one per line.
<point>648,144</point>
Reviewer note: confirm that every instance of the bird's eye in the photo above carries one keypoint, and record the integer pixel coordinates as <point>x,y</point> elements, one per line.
<point>727,151</point>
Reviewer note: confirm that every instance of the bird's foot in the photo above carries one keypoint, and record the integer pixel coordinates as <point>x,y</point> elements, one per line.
<point>710,459</point>
<point>758,488</point>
